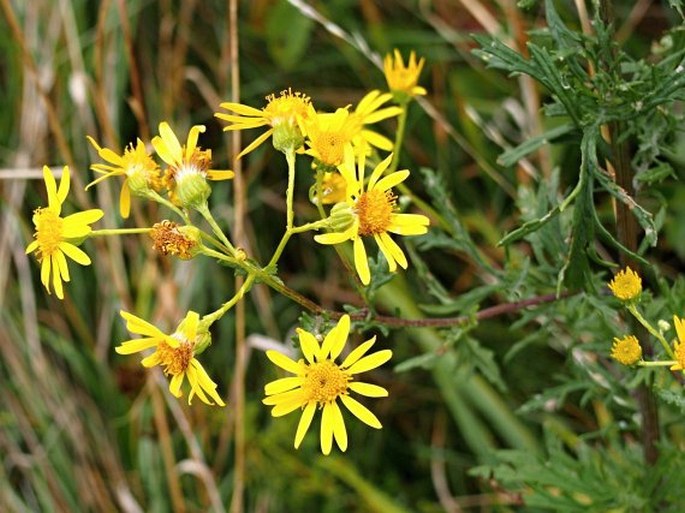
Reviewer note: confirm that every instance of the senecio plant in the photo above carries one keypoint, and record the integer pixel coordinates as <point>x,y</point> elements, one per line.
<point>354,176</point>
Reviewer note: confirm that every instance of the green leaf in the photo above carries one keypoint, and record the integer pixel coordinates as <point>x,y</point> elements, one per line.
<point>513,155</point>
<point>288,34</point>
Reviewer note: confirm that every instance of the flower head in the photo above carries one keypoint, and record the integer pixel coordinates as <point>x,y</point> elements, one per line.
<point>188,166</point>
<point>141,172</point>
<point>285,114</point>
<point>626,285</point>
<point>402,80</point>
<point>368,112</point>
<point>626,350</point>
<point>679,345</point>
<point>375,215</point>
<point>319,382</point>
<point>328,136</point>
<point>175,353</point>
<point>168,238</point>
<point>56,237</point>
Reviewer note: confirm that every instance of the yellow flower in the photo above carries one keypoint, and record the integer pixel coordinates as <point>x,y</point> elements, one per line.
<point>141,172</point>
<point>626,350</point>
<point>332,189</point>
<point>188,166</point>
<point>285,114</point>
<point>679,346</point>
<point>626,285</point>
<point>402,80</point>
<point>175,353</point>
<point>56,236</point>
<point>369,111</point>
<point>328,136</point>
<point>318,382</point>
<point>374,211</point>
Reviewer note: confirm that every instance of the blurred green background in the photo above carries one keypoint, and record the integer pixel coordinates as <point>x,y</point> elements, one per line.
<point>83,429</point>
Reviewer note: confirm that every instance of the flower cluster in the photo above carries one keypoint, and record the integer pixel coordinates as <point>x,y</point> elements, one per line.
<point>177,176</point>
<point>627,350</point>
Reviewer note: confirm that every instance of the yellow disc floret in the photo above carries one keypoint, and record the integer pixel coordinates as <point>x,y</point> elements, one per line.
<point>324,382</point>
<point>626,285</point>
<point>49,232</point>
<point>374,209</point>
<point>626,350</point>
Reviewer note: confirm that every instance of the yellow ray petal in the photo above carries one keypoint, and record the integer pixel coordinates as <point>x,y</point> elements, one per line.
<point>136,345</point>
<point>339,431</point>
<point>171,142</point>
<point>360,261</point>
<point>64,184</point>
<point>309,344</point>
<point>378,171</point>
<point>74,253</point>
<point>390,181</point>
<point>57,277</point>
<point>305,422</point>
<point>327,429</point>
<point>358,352</point>
<point>239,108</point>
<point>367,389</point>
<point>370,362</point>
<point>392,265</point>
<point>193,136</point>
<point>282,385</point>
<point>283,361</point>
<point>175,384</point>
<point>394,250</point>
<point>259,140</point>
<point>361,412</point>
<point>205,382</point>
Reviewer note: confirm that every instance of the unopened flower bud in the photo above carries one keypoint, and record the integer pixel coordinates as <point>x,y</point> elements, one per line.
<point>341,217</point>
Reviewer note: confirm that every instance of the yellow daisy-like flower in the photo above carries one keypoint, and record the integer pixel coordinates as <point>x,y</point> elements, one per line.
<point>285,114</point>
<point>402,80</point>
<point>318,382</point>
<point>56,237</point>
<point>328,136</point>
<point>374,215</point>
<point>175,353</point>
<point>367,112</point>
<point>626,350</point>
<point>189,166</point>
<point>626,285</point>
<point>141,171</point>
<point>679,345</point>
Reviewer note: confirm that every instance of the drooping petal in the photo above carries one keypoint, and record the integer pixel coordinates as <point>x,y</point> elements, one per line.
<point>152,360</point>
<point>175,384</point>
<point>205,383</point>
<point>125,200</point>
<point>305,422</point>
<point>361,412</point>
<point>360,261</point>
<point>370,362</point>
<point>375,139</point>
<point>282,385</point>
<point>358,352</point>
<point>136,345</point>
<point>333,237</point>
<point>253,145</point>
<point>188,326</point>
<point>283,361</point>
<point>367,389</point>
<point>392,265</point>
<point>327,429</point>
<point>339,431</point>
<point>394,250</point>
<point>74,253</point>
<point>32,247</point>
<point>309,344</point>
<point>57,277</point>
<point>62,265</point>
<point>45,272</point>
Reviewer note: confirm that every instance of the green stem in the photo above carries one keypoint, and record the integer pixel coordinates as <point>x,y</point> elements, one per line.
<point>399,137</point>
<point>159,199</point>
<point>289,192</point>
<point>636,313</point>
<point>656,364</point>
<point>118,231</point>
<point>204,211</point>
<point>219,313</point>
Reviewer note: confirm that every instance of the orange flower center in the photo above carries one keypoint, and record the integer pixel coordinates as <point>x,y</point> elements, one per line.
<point>175,360</point>
<point>49,231</point>
<point>324,382</point>
<point>167,239</point>
<point>374,209</point>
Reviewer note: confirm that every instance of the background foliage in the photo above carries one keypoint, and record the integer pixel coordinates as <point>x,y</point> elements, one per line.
<point>522,411</point>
